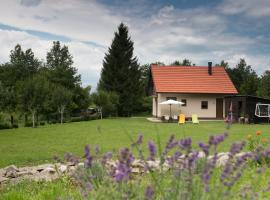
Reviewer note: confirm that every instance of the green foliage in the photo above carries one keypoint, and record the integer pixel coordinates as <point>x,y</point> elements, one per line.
<point>244,78</point>
<point>106,102</point>
<point>33,94</point>
<point>264,85</point>
<point>185,62</point>
<point>121,74</point>
<point>59,63</point>
<point>29,86</point>
<point>61,99</point>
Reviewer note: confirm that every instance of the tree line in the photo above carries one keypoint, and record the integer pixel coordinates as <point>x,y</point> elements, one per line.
<point>41,89</point>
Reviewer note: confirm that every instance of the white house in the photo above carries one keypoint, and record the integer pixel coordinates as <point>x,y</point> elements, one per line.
<point>201,88</point>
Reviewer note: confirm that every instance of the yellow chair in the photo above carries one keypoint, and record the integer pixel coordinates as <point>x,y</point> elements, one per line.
<point>195,119</point>
<point>182,119</point>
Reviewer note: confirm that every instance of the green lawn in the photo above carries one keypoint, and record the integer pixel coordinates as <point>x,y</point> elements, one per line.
<point>29,146</point>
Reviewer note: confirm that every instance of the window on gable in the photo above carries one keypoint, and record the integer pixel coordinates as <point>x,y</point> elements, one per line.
<point>204,104</point>
<point>184,101</point>
<point>172,98</point>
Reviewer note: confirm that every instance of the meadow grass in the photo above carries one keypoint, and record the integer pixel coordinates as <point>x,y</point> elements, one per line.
<point>30,146</point>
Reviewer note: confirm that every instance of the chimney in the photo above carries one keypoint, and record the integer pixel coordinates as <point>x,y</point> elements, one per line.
<point>210,68</point>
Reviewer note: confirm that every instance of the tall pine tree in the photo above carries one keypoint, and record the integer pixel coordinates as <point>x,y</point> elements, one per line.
<point>121,74</point>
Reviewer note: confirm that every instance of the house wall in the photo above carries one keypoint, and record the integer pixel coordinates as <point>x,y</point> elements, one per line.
<point>193,105</point>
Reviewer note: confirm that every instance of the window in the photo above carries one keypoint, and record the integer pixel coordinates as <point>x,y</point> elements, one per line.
<point>172,98</point>
<point>184,101</point>
<point>204,104</point>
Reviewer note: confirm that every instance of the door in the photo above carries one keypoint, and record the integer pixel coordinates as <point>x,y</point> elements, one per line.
<point>219,108</point>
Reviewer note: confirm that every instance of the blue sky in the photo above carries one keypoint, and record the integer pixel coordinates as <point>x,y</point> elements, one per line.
<point>200,30</point>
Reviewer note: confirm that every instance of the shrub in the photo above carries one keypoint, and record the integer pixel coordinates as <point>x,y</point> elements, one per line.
<point>5,126</point>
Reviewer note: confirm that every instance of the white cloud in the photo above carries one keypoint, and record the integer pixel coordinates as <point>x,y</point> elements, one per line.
<point>80,20</point>
<point>251,8</point>
<point>87,58</point>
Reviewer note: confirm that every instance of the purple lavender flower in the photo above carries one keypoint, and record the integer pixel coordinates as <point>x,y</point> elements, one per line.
<point>205,148</point>
<point>236,148</point>
<point>152,150</point>
<point>185,143</point>
<point>69,157</point>
<point>89,158</point>
<point>97,149</point>
<point>215,140</point>
<point>149,193</point>
<point>139,141</point>
<point>123,168</point>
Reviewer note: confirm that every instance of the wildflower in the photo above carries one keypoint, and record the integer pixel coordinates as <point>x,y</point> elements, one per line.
<point>89,158</point>
<point>204,148</point>
<point>258,132</point>
<point>149,193</point>
<point>69,157</point>
<point>215,140</point>
<point>139,140</point>
<point>249,136</point>
<point>170,145</point>
<point>152,150</point>
<point>185,143</point>
<point>236,148</point>
<point>123,168</point>
<point>97,149</point>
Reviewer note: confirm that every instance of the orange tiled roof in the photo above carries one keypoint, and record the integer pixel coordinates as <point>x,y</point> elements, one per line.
<point>191,79</point>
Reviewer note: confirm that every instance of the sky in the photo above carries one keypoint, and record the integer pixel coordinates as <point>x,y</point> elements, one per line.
<point>200,30</point>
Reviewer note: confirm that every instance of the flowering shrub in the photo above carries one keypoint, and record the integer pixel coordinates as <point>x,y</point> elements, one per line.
<point>258,143</point>
<point>183,172</point>
<point>257,140</point>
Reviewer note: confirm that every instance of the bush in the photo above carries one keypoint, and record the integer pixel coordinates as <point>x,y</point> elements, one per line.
<point>5,126</point>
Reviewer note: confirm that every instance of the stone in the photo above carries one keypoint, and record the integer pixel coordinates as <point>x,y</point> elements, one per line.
<point>3,180</point>
<point>63,168</point>
<point>51,170</point>
<point>201,154</point>
<point>40,168</point>
<point>2,172</point>
<point>136,170</point>
<point>24,173</point>
<point>44,176</point>
<point>11,171</point>
<point>221,161</point>
<point>138,164</point>
<point>153,164</point>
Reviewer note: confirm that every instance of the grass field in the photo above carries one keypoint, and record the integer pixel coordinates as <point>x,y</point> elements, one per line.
<point>29,146</point>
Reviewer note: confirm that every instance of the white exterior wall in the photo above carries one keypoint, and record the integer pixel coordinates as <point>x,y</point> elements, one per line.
<point>193,105</point>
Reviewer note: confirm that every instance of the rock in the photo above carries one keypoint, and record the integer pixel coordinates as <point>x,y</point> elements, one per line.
<point>3,180</point>
<point>138,164</point>
<point>80,164</point>
<point>51,170</point>
<point>136,171</point>
<point>40,168</point>
<point>44,175</point>
<point>221,161</point>
<point>201,154</point>
<point>63,168</point>
<point>153,164</point>
<point>219,155</point>
<point>24,173</point>
<point>2,172</point>
<point>11,171</point>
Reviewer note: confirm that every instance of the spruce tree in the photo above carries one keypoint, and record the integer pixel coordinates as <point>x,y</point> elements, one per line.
<point>121,74</point>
